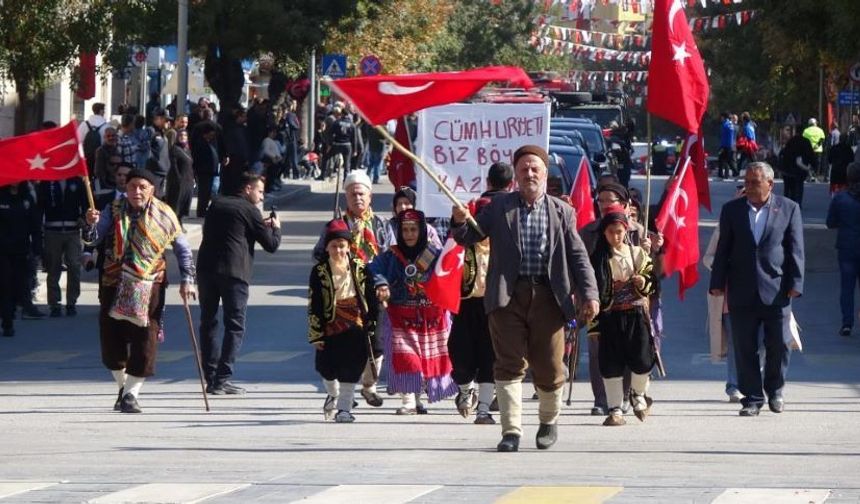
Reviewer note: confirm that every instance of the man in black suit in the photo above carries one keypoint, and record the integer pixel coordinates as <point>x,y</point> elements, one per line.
<point>233,224</point>
<point>759,261</point>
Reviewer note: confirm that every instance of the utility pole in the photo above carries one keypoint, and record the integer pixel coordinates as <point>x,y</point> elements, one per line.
<point>182,57</point>
<point>312,97</point>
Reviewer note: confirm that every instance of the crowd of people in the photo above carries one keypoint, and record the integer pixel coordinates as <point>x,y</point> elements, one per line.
<point>532,284</point>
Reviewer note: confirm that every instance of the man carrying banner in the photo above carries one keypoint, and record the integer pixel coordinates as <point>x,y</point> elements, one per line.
<point>136,231</point>
<point>536,262</point>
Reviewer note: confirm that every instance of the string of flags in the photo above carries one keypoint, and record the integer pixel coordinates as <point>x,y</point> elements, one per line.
<point>602,39</point>
<point>634,6</point>
<point>608,76</point>
<point>720,22</point>
<point>546,45</point>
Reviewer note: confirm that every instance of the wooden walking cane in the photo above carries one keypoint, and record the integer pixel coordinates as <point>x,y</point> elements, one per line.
<point>572,361</point>
<point>196,351</point>
<point>339,162</point>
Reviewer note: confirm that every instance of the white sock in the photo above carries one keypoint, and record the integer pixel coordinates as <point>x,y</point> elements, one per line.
<point>331,387</point>
<point>346,397</point>
<point>466,387</point>
<point>119,376</point>
<point>485,396</point>
<point>133,384</point>
<point>418,400</point>
<point>549,406</point>
<point>639,383</point>
<point>408,401</point>
<point>614,391</point>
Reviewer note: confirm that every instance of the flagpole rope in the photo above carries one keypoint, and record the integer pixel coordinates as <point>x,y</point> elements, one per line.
<point>648,168</point>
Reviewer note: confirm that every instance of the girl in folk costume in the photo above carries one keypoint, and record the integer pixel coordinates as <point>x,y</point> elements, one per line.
<point>624,275</point>
<point>416,335</point>
<point>342,311</point>
<point>404,199</point>
<point>470,345</point>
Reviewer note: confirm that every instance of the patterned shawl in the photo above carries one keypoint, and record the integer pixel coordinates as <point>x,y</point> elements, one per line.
<point>139,242</point>
<point>363,244</point>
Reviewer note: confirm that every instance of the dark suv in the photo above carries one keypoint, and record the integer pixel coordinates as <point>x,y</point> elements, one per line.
<point>602,109</point>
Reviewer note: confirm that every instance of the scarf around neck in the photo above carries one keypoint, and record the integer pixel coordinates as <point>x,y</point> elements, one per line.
<point>363,243</point>
<point>140,239</point>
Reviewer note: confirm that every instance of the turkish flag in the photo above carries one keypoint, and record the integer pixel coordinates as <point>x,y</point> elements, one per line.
<point>677,84</point>
<point>379,98</point>
<point>580,196</point>
<point>53,154</point>
<point>678,220</point>
<point>401,169</point>
<point>443,286</point>
<point>694,149</point>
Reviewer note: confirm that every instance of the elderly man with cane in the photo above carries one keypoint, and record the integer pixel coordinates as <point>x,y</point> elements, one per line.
<point>136,231</point>
<point>537,261</point>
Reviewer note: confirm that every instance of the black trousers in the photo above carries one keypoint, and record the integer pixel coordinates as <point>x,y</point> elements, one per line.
<point>343,356</point>
<point>204,194</point>
<point>727,162</point>
<point>218,359</point>
<point>125,345</point>
<point>746,322</point>
<point>793,188</point>
<point>469,344</point>
<point>14,287</point>
<point>625,342</point>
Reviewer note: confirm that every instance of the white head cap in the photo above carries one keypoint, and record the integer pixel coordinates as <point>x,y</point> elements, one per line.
<point>812,121</point>
<point>358,177</point>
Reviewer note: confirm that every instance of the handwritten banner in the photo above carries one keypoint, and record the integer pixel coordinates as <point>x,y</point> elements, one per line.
<point>460,142</point>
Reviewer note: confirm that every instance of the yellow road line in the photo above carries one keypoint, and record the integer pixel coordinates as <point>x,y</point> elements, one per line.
<point>559,495</point>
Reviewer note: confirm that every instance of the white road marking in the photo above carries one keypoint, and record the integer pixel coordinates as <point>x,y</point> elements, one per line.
<point>370,494</point>
<point>10,488</point>
<point>168,493</point>
<point>772,496</point>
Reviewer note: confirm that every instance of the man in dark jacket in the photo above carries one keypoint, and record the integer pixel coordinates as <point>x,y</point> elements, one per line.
<point>795,162</point>
<point>233,224</point>
<point>20,235</point>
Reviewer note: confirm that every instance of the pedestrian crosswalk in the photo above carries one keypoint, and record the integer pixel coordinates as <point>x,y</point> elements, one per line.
<point>218,493</point>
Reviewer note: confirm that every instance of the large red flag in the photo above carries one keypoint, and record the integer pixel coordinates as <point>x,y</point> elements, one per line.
<point>678,220</point>
<point>677,84</point>
<point>580,196</point>
<point>382,97</point>
<point>694,148</point>
<point>53,154</point>
<point>443,286</point>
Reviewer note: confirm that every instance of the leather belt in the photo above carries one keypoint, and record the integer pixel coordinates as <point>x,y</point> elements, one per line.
<point>535,279</point>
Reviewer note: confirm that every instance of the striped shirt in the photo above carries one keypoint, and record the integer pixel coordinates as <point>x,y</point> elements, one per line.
<point>534,228</point>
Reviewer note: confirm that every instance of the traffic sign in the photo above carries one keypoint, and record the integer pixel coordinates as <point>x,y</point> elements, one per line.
<point>334,65</point>
<point>790,120</point>
<point>370,65</point>
<point>854,72</point>
<point>138,56</point>
<point>849,98</point>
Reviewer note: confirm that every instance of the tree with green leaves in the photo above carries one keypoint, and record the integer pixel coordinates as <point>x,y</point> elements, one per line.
<point>39,40</point>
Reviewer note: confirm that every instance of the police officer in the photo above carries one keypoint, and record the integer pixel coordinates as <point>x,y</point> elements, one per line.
<point>20,236</point>
<point>342,135</point>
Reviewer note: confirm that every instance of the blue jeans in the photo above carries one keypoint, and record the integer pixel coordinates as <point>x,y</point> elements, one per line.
<point>374,162</point>
<point>849,271</point>
<point>219,357</point>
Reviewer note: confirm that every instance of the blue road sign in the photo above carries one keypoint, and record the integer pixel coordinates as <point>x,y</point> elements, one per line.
<point>370,65</point>
<point>849,97</point>
<point>334,65</point>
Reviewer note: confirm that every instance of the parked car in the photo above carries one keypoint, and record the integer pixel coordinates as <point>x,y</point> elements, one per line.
<point>567,158</point>
<point>595,143</point>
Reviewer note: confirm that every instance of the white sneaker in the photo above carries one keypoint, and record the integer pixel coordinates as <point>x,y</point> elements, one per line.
<point>735,396</point>
<point>344,417</point>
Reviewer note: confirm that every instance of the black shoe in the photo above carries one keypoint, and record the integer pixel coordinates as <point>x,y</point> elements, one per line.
<point>751,410</point>
<point>71,311</point>
<point>372,398</point>
<point>547,435</point>
<point>509,443</point>
<point>227,388</point>
<point>845,330</point>
<point>118,404</point>
<point>8,332</point>
<point>129,404</point>
<point>56,311</point>
<point>598,411</point>
<point>776,404</point>
<point>32,313</point>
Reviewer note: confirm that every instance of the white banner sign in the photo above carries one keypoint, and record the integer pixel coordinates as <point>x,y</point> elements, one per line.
<point>460,142</point>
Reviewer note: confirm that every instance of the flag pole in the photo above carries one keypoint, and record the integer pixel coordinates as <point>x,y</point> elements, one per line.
<point>648,168</point>
<point>430,173</point>
<point>89,188</point>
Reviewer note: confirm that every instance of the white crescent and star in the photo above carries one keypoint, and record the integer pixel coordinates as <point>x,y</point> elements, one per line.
<point>681,53</point>
<point>676,7</point>
<point>679,221</point>
<point>392,89</point>
<point>461,258</point>
<point>38,162</point>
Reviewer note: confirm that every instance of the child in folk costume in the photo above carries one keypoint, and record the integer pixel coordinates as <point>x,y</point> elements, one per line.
<point>470,345</point>
<point>624,274</point>
<point>342,314</point>
<point>416,335</point>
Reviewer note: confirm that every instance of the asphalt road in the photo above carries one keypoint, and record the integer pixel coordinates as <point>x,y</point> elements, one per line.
<point>61,442</point>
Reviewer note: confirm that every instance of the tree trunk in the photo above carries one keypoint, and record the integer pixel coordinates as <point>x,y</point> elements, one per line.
<point>30,109</point>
